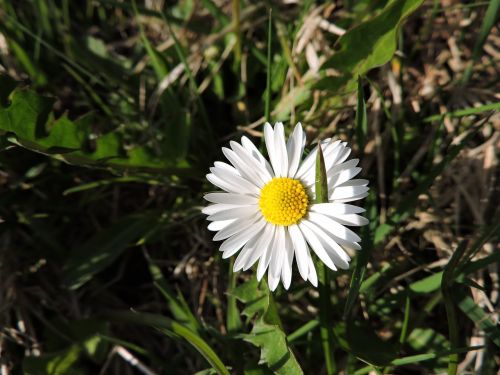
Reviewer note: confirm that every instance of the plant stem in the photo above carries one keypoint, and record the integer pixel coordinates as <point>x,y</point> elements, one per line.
<point>325,309</point>
<point>267,113</point>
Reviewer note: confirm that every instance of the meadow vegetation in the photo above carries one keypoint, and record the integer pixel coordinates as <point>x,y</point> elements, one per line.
<point>112,112</point>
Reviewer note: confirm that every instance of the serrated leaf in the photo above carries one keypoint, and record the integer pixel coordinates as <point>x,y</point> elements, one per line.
<point>28,119</point>
<point>266,332</point>
<point>368,45</point>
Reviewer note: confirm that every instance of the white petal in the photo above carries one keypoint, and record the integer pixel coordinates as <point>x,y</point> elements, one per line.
<point>245,253</point>
<point>280,149</point>
<point>333,154</point>
<point>344,154</point>
<point>218,225</point>
<point>337,168</point>
<point>333,227</point>
<point>301,251</point>
<point>313,276</point>
<point>342,242</point>
<point>257,249</point>
<point>238,183</point>
<point>343,192</point>
<point>215,208</point>
<point>316,245</point>
<point>344,176</point>
<point>333,209</point>
<point>232,186</point>
<point>272,281</point>
<point>261,246</point>
<point>310,160</point>
<point>286,268</point>
<point>342,213</point>
<point>231,198</point>
<point>235,227</point>
<point>356,182</point>
<point>227,167</point>
<point>307,171</point>
<point>235,213</point>
<point>243,168</point>
<point>224,185</point>
<point>254,152</point>
<point>234,243</point>
<point>271,149</point>
<point>351,199</point>
<point>351,219</point>
<point>265,258</point>
<point>338,255</point>
<point>251,161</point>
<point>295,148</point>
<point>278,253</point>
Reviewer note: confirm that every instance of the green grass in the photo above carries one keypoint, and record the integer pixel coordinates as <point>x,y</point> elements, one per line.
<point>111,114</point>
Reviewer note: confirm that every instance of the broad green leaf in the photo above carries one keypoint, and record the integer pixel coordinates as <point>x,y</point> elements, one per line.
<point>368,45</point>
<point>427,284</point>
<point>101,250</point>
<point>165,324</point>
<point>267,332</point>
<point>27,118</point>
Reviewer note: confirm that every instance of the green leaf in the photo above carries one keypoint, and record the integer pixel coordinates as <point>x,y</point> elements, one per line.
<point>427,284</point>
<point>101,250</point>
<point>321,177</point>
<point>267,333</point>
<point>163,323</point>
<point>28,119</point>
<point>368,45</point>
<point>477,315</point>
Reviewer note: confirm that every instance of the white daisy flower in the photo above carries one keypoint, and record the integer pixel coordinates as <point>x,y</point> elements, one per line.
<point>267,209</point>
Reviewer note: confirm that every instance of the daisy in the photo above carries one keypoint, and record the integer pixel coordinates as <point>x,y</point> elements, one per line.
<point>267,210</point>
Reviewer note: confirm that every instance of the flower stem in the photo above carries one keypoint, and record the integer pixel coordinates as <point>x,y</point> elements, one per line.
<point>325,309</point>
<point>325,302</point>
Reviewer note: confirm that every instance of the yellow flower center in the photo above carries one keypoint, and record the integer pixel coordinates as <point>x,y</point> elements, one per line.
<point>283,201</point>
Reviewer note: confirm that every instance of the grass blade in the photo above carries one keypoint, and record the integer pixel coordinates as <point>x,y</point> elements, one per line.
<point>361,120</point>
<point>267,111</point>
<point>164,323</point>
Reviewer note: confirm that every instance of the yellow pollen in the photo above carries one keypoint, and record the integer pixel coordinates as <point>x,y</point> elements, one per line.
<point>283,201</point>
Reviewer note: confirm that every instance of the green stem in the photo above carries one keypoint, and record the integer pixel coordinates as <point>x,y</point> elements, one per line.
<point>267,113</point>
<point>236,26</point>
<point>325,309</point>
<point>325,301</point>
<point>452,329</point>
